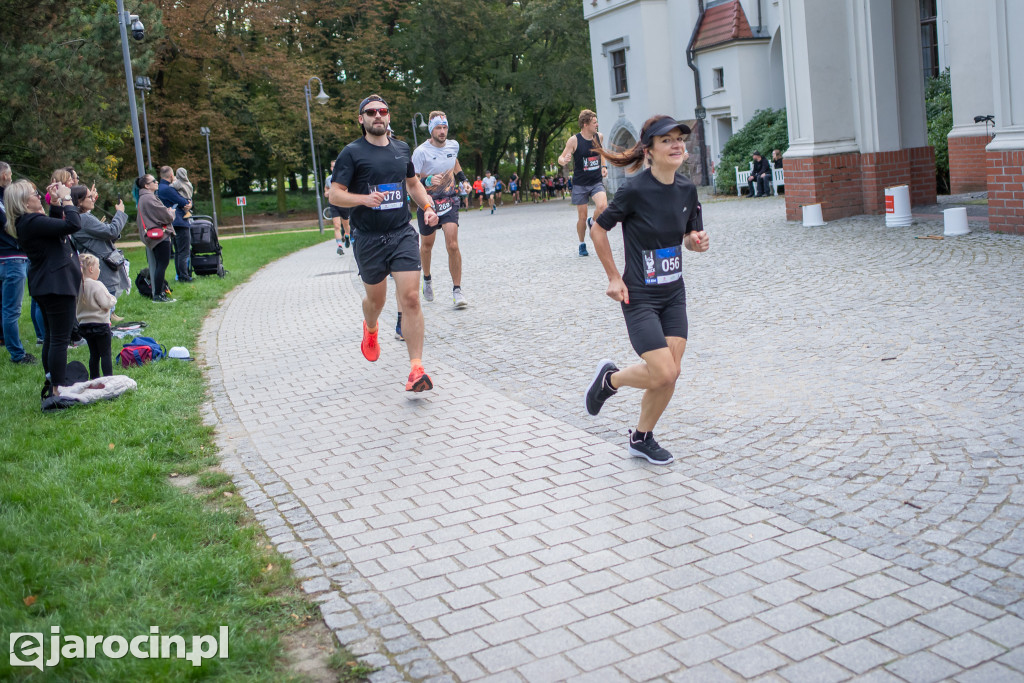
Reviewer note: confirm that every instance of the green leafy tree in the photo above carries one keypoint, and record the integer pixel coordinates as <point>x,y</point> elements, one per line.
<point>64,93</point>
<point>507,96</point>
<point>938,96</point>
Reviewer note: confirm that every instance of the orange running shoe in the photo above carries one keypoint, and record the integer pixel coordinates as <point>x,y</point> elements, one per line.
<point>418,380</point>
<point>370,347</point>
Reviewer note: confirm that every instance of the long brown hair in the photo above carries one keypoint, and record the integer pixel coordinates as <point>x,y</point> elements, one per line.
<point>633,158</point>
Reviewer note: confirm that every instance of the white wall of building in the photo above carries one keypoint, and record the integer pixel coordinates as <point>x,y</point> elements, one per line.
<point>657,33</point>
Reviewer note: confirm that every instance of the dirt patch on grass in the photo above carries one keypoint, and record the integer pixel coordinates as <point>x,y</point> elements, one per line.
<point>309,650</point>
<point>188,483</point>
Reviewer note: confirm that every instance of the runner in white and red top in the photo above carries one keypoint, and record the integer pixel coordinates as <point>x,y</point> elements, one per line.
<point>437,165</point>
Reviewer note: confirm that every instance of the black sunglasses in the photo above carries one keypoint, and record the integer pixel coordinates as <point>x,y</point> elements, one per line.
<point>383,111</point>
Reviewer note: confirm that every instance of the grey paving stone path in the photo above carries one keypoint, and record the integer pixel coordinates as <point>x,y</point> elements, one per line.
<point>849,433</point>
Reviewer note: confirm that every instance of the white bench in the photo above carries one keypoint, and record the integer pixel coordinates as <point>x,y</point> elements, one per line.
<point>778,179</point>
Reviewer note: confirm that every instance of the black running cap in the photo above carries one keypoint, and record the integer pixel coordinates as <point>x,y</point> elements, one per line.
<point>371,98</point>
<point>664,125</point>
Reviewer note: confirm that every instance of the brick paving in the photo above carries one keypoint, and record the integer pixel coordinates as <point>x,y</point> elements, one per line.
<point>848,427</point>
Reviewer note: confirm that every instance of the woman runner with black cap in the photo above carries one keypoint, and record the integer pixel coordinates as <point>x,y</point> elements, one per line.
<point>660,214</point>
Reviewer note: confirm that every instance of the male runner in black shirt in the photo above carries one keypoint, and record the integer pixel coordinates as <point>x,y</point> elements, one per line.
<point>373,174</point>
<point>660,215</point>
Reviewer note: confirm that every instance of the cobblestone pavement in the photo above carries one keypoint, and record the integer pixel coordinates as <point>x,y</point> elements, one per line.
<point>848,427</point>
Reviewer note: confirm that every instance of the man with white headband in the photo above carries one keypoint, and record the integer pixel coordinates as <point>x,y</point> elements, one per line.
<point>437,165</point>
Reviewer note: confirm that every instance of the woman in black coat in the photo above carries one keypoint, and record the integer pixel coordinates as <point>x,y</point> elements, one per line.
<point>54,272</point>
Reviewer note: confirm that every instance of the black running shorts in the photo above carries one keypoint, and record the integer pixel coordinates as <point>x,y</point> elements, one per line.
<point>378,254</point>
<point>451,216</point>
<point>649,322</point>
<point>340,212</point>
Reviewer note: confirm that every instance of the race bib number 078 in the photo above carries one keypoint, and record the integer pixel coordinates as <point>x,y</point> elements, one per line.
<point>662,266</point>
<point>393,198</point>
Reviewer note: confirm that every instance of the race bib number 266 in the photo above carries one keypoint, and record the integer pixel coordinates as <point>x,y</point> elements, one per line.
<point>393,198</point>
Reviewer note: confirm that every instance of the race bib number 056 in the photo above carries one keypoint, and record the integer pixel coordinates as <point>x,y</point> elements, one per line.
<point>592,163</point>
<point>393,198</point>
<point>662,266</point>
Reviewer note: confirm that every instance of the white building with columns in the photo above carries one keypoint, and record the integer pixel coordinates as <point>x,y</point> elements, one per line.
<point>851,76</point>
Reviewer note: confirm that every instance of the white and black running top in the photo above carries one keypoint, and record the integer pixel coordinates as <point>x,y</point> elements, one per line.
<point>363,167</point>
<point>655,217</point>
<point>429,160</point>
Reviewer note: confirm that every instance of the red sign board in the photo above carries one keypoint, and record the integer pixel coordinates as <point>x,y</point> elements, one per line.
<point>239,201</point>
<point>890,204</point>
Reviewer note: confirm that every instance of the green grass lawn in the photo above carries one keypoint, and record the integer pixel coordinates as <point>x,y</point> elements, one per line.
<point>96,540</point>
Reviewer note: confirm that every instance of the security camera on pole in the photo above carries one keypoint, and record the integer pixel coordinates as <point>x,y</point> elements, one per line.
<point>138,33</point>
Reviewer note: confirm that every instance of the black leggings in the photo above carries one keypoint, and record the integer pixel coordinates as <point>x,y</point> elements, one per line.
<point>59,312</point>
<point>98,336</point>
<point>161,258</point>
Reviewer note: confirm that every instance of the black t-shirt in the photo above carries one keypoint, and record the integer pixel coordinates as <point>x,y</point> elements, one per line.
<point>363,167</point>
<point>586,162</point>
<point>655,217</point>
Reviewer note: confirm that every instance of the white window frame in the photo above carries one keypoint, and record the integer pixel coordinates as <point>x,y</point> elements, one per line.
<point>718,77</point>
<point>607,49</point>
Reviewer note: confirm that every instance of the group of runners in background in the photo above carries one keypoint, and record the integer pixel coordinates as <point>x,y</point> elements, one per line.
<point>375,175</point>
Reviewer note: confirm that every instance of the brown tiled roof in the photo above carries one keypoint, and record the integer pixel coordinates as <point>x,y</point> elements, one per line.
<point>721,24</point>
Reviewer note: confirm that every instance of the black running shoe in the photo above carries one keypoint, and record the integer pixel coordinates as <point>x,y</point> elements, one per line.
<point>599,390</point>
<point>649,450</point>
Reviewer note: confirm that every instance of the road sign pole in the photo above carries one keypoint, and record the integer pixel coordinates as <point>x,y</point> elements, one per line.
<point>240,202</point>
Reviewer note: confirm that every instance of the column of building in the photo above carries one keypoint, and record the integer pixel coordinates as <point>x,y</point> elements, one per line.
<point>855,102</point>
<point>1006,150</point>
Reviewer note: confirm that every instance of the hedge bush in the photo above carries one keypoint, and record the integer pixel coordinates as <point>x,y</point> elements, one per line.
<point>765,131</point>
<point>938,102</point>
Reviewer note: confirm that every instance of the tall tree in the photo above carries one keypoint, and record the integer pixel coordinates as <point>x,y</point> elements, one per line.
<point>64,91</point>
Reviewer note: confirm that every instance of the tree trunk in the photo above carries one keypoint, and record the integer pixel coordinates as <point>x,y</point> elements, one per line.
<point>293,183</point>
<point>282,198</point>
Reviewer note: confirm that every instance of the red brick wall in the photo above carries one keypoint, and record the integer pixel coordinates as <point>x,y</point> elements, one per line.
<point>922,176</point>
<point>968,161</point>
<point>851,184</point>
<point>1005,191</point>
<point>833,181</point>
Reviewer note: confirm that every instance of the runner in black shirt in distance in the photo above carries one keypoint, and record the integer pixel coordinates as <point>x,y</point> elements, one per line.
<point>589,170</point>
<point>659,213</point>
<point>373,174</point>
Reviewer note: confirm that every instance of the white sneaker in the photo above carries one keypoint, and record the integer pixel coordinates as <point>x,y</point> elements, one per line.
<point>428,290</point>
<point>458,299</point>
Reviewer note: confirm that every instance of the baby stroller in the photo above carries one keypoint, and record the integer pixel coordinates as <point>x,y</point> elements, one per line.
<point>206,250</point>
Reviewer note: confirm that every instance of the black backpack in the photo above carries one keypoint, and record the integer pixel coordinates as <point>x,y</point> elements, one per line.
<point>144,286</point>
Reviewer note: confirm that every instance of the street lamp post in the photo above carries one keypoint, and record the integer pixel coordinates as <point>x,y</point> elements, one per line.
<point>138,32</point>
<point>423,124</point>
<point>205,132</point>
<point>322,99</point>
<point>144,85</point>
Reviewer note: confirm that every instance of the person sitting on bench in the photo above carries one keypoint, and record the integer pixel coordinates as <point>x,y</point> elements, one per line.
<point>760,174</point>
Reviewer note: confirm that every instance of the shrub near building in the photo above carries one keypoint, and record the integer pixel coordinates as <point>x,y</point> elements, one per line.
<point>765,131</point>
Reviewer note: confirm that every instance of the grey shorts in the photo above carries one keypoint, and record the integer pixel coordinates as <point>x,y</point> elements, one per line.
<point>581,194</point>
